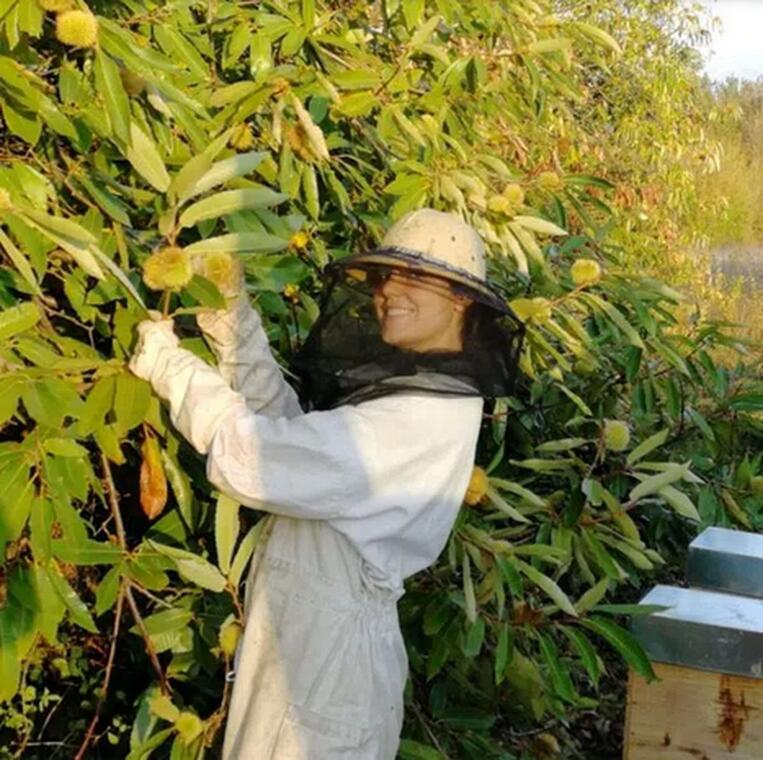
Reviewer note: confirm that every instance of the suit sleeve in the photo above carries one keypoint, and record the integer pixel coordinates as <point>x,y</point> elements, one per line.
<point>245,360</point>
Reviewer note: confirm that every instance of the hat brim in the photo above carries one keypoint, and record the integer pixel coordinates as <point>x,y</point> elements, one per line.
<point>470,285</point>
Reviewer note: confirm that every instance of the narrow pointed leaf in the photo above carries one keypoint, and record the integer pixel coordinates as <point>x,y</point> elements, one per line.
<point>228,202</point>
<point>144,156</point>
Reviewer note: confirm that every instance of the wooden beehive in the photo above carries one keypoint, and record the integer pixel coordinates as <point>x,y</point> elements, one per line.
<point>707,652</point>
<point>694,714</point>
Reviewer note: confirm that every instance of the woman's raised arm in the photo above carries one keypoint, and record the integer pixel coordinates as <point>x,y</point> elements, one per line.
<point>245,361</point>
<point>309,466</point>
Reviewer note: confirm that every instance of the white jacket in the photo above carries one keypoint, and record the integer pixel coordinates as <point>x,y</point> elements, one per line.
<point>364,496</point>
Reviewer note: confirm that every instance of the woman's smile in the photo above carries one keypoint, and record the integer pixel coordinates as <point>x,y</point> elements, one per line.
<point>418,312</point>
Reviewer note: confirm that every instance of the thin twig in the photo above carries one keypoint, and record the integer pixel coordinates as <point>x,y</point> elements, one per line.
<point>150,651</point>
<point>111,492</point>
<point>149,595</point>
<point>107,677</point>
<point>166,304</point>
<point>422,719</point>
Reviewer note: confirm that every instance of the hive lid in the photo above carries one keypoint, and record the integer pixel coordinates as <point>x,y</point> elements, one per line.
<point>727,560</point>
<point>703,629</point>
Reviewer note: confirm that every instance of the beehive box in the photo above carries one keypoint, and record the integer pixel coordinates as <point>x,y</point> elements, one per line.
<point>727,560</point>
<point>708,653</point>
<point>694,715</point>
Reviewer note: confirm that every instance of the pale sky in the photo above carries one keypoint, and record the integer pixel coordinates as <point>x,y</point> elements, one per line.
<point>737,49</point>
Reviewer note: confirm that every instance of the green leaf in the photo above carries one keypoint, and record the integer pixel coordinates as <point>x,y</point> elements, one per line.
<point>747,402</point>
<point>205,292</point>
<point>469,598</point>
<point>144,156</point>
<point>560,676</point>
<point>562,444</point>
<point>411,750</point>
<point>647,446</point>
<point>63,228</point>
<point>132,397</point>
<point>185,180</point>
<point>77,610</point>
<point>310,191</point>
<point>502,652</point>
<point>147,569</point>
<point>511,575</point>
<point>75,240</point>
<point>246,548</point>
<point>586,652</point>
<point>679,502</point>
<point>11,387</point>
<point>702,424</point>
<point>107,200</point>
<point>180,484</point>
<point>592,596</point>
<point>10,660</point>
<point>16,497</point>
<point>109,85</point>
<point>542,226</point>
<point>624,642</point>
<point>616,316</point>
<point>20,261</point>
<point>501,504</point>
<point>468,718</point>
<point>654,483</point>
<point>107,591</point>
<point>228,202</point>
<point>87,552</point>
<point>424,32</point>
<point>120,276</point>
<point>97,404</point>
<point>524,493</point>
<point>599,36</point>
<point>238,242</point>
<point>192,567</point>
<point>64,447</point>
<point>603,558</point>
<point>166,621</point>
<point>549,45</point>
<point>17,319</point>
<point>226,530</point>
<point>475,636</point>
<point>161,706</point>
<point>413,12</point>
<point>547,585</point>
<point>221,171</point>
<point>49,401</point>
<point>634,610</point>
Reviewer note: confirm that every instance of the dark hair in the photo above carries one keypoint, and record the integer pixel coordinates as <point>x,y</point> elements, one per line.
<point>481,326</point>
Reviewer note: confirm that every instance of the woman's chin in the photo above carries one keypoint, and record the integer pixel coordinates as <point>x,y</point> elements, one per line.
<point>395,338</point>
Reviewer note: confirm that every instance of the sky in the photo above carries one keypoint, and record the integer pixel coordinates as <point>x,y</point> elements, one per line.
<point>737,49</point>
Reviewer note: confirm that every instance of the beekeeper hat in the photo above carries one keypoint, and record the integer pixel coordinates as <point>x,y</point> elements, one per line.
<point>437,243</point>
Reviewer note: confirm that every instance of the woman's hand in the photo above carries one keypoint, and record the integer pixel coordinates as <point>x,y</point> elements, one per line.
<point>155,336</point>
<point>226,272</point>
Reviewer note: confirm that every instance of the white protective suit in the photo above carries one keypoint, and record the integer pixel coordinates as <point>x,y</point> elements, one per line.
<point>364,496</point>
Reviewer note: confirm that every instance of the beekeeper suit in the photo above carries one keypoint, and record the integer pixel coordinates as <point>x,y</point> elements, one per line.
<point>364,489</point>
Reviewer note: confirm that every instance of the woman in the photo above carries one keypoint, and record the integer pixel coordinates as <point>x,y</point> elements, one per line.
<point>365,486</point>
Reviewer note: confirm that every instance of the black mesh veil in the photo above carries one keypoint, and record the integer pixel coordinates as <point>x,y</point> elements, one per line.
<point>345,361</point>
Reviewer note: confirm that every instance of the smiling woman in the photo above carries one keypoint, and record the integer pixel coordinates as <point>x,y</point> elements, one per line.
<point>364,480</point>
<point>419,312</point>
<point>414,313</point>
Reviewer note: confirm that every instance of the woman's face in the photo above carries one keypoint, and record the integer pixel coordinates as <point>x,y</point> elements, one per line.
<point>419,312</point>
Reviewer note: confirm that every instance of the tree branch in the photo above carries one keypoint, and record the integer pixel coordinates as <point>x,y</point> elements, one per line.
<point>111,493</point>
<point>107,677</point>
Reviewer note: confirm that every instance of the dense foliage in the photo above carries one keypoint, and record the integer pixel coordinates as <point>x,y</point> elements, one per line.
<point>290,133</point>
